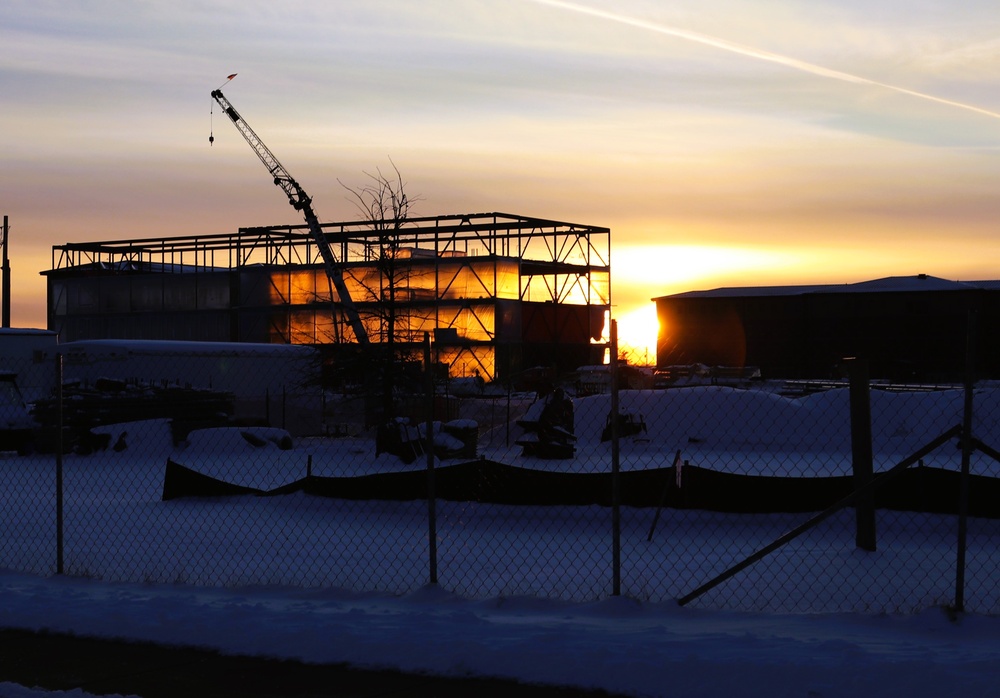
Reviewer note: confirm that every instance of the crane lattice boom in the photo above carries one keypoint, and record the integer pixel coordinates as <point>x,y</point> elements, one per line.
<point>301,201</point>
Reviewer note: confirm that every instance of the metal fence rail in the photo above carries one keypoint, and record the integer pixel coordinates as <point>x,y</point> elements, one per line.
<point>743,496</point>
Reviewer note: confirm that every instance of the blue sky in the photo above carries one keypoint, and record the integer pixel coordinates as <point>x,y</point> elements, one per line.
<point>711,165</point>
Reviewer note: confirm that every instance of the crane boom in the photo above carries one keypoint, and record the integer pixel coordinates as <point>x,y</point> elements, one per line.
<point>300,201</point>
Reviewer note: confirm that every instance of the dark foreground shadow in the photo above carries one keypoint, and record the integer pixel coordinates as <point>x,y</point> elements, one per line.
<point>65,662</point>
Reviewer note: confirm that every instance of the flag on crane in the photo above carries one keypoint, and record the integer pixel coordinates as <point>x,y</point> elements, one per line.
<point>227,80</point>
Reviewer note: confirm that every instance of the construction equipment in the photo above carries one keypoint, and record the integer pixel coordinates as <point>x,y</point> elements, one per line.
<point>300,201</point>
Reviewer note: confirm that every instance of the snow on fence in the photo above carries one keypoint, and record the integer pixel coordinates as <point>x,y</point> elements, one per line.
<point>719,497</point>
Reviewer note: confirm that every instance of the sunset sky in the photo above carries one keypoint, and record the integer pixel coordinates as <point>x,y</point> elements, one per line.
<point>724,142</point>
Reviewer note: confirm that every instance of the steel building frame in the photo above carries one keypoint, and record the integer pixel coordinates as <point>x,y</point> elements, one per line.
<point>556,262</point>
<point>542,241</point>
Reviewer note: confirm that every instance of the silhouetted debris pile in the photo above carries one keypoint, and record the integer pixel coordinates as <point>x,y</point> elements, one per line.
<point>107,402</point>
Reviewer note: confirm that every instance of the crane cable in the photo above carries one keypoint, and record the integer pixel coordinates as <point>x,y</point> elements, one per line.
<point>211,112</point>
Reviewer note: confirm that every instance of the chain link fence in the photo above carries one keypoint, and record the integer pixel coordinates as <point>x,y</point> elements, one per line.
<point>712,487</point>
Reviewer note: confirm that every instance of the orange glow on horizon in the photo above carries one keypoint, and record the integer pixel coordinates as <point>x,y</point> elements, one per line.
<point>687,266</point>
<point>644,272</point>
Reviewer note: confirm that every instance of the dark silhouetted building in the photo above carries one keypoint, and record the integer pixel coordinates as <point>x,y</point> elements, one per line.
<point>910,328</point>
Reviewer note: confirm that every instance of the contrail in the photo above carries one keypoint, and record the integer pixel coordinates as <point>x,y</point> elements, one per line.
<point>751,52</point>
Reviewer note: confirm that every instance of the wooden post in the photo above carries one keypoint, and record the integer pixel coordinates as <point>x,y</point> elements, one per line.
<point>60,538</point>
<point>429,447</point>
<point>967,447</point>
<point>5,312</point>
<point>861,451</point>
<point>616,527</point>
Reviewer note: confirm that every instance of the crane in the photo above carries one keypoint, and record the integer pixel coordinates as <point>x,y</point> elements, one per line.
<point>300,201</point>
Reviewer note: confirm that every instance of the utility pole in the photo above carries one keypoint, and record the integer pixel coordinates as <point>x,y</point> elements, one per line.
<point>5,320</point>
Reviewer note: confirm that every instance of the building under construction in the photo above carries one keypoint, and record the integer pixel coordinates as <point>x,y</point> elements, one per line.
<point>498,293</point>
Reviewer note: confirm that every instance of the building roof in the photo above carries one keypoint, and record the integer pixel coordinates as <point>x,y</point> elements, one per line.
<point>18,331</point>
<point>889,284</point>
<point>495,234</point>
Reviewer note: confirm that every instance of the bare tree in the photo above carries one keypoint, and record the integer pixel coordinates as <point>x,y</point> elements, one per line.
<point>383,203</point>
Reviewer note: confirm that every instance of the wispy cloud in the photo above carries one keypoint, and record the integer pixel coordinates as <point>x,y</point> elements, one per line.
<point>755,53</point>
<point>980,60</point>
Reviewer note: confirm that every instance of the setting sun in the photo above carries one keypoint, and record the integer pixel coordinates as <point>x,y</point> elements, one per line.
<point>637,332</point>
<point>646,271</point>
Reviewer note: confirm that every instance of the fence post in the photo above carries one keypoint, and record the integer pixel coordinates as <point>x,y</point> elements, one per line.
<point>59,463</point>
<point>429,447</point>
<point>967,446</point>
<point>510,388</point>
<point>616,535</point>
<point>861,451</point>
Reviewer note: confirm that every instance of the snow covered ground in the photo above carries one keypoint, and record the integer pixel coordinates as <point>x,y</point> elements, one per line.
<point>524,592</point>
<point>117,528</point>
